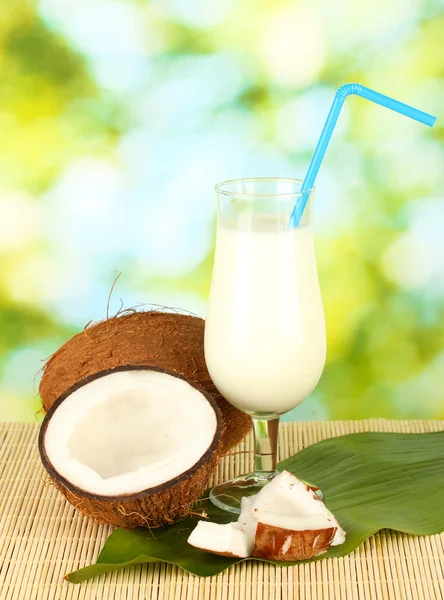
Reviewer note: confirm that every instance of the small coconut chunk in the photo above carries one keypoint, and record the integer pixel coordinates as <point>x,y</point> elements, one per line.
<point>226,540</point>
<point>288,496</point>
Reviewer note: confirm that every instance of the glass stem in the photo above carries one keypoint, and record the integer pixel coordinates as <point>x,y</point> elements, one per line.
<point>265,444</point>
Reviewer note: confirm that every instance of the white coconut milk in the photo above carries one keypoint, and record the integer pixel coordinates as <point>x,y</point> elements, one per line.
<point>265,332</point>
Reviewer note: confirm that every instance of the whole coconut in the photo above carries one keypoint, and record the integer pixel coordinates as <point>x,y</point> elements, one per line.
<point>170,341</point>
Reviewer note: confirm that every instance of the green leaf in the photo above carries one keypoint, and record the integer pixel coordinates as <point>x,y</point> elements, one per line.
<point>126,547</point>
<point>371,481</point>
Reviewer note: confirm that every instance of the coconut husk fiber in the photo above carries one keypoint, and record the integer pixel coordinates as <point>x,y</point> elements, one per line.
<point>170,341</point>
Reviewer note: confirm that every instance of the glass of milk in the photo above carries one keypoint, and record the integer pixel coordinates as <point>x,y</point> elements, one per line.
<point>265,342</point>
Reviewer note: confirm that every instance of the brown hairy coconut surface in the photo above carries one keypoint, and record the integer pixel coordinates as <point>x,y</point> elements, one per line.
<point>154,507</point>
<point>170,341</point>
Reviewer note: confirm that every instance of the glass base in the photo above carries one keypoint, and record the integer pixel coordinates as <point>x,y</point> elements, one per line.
<point>227,496</point>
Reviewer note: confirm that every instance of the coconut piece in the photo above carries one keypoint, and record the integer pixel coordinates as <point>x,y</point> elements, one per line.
<point>133,446</point>
<point>287,521</point>
<point>290,521</point>
<point>170,341</point>
<point>233,539</point>
<point>226,540</point>
<point>288,496</point>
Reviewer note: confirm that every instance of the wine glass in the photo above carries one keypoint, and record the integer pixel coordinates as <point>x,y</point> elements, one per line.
<point>265,342</point>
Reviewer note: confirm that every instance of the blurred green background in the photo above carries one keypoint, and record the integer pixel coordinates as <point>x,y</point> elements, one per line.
<point>117,117</point>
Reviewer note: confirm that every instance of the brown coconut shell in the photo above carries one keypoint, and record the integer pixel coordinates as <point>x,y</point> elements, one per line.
<point>277,543</point>
<point>170,341</point>
<point>157,506</point>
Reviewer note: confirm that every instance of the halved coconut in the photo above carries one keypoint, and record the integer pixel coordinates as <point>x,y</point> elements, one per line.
<point>133,446</point>
<point>165,340</point>
<point>286,521</point>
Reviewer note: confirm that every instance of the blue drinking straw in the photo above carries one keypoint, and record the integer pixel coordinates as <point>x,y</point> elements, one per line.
<point>341,95</point>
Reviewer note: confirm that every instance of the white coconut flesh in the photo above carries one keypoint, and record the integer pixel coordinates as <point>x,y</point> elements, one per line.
<point>285,503</point>
<point>226,539</point>
<point>129,431</point>
<point>248,521</point>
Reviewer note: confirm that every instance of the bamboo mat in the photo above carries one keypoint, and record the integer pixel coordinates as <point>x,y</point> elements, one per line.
<point>42,538</point>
